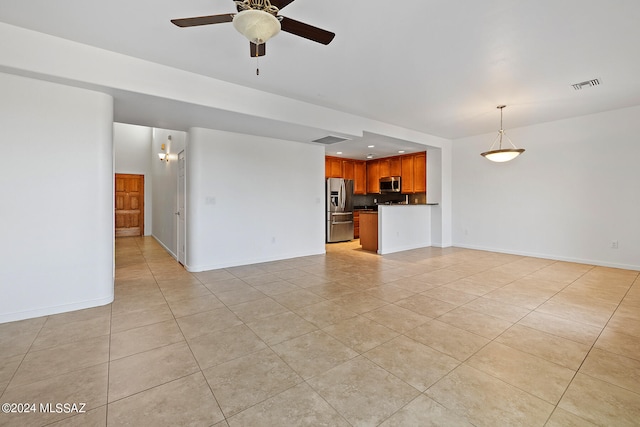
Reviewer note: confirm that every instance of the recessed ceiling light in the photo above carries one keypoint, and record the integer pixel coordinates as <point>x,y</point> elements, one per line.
<point>370,146</point>
<point>369,156</point>
<point>401,151</point>
<point>339,152</point>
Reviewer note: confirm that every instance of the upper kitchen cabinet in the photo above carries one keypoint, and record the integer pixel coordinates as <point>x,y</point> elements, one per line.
<point>395,166</point>
<point>348,169</point>
<point>414,173</point>
<point>390,166</point>
<point>384,168</point>
<point>373,176</point>
<point>420,173</point>
<point>332,167</point>
<point>406,173</point>
<point>359,177</point>
<point>412,168</point>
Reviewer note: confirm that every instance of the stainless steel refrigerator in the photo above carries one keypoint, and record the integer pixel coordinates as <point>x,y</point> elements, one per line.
<point>339,210</point>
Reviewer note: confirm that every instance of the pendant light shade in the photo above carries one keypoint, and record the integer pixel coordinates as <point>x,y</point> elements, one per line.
<point>502,154</point>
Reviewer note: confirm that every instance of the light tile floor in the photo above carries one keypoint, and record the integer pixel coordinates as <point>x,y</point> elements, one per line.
<point>447,337</point>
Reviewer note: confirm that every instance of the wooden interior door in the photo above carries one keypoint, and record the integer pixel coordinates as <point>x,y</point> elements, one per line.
<point>129,205</point>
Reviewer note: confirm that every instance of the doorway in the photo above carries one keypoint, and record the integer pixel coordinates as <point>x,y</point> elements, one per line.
<point>129,205</point>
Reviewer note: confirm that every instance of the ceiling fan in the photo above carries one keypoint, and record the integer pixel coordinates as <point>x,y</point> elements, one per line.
<point>258,21</point>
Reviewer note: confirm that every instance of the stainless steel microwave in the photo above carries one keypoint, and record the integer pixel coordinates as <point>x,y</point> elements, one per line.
<point>390,184</point>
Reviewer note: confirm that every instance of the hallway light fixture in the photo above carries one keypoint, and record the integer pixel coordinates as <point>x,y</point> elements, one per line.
<point>164,157</point>
<point>502,154</point>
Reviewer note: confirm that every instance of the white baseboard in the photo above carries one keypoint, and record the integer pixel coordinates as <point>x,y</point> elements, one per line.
<point>236,263</point>
<point>169,251</point>
<point>552,257</point>
<point>47,311</point>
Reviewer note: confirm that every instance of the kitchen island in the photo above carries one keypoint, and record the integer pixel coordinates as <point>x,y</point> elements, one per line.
<point>398,228</point>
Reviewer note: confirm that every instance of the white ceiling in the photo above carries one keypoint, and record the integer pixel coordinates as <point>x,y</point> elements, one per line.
<point>435,66</point>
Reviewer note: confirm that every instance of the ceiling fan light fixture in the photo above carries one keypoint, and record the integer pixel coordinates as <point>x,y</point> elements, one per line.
<point>257,26</point>
<point>502,154</point>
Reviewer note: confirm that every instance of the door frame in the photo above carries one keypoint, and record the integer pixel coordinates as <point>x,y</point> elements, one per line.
<point>181,198</point>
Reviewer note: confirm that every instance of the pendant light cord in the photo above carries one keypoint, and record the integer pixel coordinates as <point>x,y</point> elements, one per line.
<point>501,131</point>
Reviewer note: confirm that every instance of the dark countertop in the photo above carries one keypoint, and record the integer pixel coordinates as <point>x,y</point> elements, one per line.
<point>375,208</point>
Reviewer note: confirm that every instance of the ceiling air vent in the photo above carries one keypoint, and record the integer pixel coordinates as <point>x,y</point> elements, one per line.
<point>588,83</point>
<point>328,140</point>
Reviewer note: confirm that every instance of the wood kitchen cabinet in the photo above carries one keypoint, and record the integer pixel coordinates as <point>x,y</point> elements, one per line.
<point>384,168</point>
<point>348,169</point>
<point>420,173</point>
<point>395,167</point>
<point>414,173</point>
<point>359,177</point>
<point>406,185</point>
<point>332,167</point>
<point>336,167</point>
<point>373,176</point>
<point>369,227</point>
<point>412,168</point>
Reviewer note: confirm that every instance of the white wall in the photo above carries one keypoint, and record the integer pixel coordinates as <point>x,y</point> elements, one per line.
<point>252,199</point>
<point>133,155</point>
<point>402,228</point>
<point>57,198</point>
<point>165,187</point>
<point>574,191</point>
<point>136,82</point>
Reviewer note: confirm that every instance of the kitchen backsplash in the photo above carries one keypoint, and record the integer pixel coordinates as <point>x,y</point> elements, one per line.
<point>372,199</point>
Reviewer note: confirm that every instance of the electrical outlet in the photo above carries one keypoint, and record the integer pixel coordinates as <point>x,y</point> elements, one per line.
<point>614,244</point>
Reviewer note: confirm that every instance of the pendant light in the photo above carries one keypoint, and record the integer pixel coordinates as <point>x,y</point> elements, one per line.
<point>502,154</point>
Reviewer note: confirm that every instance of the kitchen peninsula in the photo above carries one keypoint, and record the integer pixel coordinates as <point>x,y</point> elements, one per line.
<point>395,228</point>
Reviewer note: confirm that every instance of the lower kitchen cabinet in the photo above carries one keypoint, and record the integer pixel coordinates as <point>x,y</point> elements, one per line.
<point>356,221</point>
<point>369,230</point>
<point>356,224</point>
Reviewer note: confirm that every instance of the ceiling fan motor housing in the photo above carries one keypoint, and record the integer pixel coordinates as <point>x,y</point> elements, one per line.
<point>264,5</point>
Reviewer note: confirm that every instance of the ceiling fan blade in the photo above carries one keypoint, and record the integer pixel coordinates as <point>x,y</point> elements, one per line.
<point>257,49</point>
<point>281,3</point>
<point>305,30</point>
<point>203,20</point>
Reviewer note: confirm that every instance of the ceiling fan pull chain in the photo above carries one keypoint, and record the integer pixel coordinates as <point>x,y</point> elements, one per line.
<point>257,64</point>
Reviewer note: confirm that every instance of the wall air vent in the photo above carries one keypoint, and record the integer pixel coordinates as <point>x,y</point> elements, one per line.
<point>588,83</point>
<point>328,140</point>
